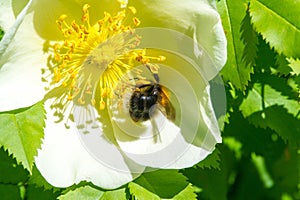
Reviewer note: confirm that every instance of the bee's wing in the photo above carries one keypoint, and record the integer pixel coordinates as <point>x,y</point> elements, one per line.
<point>166,106</point>
<point>159,120</point>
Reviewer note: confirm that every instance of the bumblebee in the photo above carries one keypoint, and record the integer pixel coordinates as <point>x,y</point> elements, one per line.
<point>145,97</point>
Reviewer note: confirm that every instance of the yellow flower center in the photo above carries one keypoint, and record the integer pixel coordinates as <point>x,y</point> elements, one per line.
<point>91,60</point>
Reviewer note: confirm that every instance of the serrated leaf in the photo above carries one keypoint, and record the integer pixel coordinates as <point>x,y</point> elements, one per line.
<point>262,96</point>
<point>211,161</point>
<point>284,85</point>
<point>21,132</point>
<point>9,192</point>
<point>141,193</point>
<point>187,193</point>
<point>163,183</point>
<point>251,138</point>
<point>287,181</point>
<point>294,64</point>
<point>250,40</point>
<point>89,193</point>
<point>297,81</point>
<point>266,57</point>
<point>10,171</point>
<point>35,193</point>
<point>119,194</point>
<point>248,185</point>
<point>283,65</point>
<point>39,181</point>
<point>214,183</point>
<point>83,193</point>
<point>238,29</point>
<point>278,119</point>
<point>278,22</point>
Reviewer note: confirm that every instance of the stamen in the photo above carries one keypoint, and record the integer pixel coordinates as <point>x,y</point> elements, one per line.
<point>123,3</point>
<point>132,9</point>
<point>92,59</point>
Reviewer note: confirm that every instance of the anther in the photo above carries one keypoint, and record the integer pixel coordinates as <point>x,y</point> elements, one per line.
<point>64,84</point>
<point>132,9</point>
<point>161,58</point>
<point>85,8</point>
<point>70,97</point>
<point>136,21</point>
<point>62,17</point>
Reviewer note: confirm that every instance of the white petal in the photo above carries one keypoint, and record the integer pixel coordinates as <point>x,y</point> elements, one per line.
<point>7,16</point>
<point>205,141</point>
<point>9,9</point>
<point>22,55</point>
<point>195,18</point>
<point>10,24</point>
<point>166,149</point>
<point>20,68</point>
<point>63,160</point>
<point>97,137</point>
<point>178,145</point>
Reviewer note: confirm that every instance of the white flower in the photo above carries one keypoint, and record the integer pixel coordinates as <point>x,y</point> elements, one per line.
<point>117,149</point>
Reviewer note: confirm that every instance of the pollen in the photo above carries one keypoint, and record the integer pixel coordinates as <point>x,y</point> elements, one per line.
<point>92,58</point>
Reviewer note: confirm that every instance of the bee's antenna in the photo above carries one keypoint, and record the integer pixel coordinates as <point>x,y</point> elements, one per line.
<point>156,77</point>
<point>155,74</point>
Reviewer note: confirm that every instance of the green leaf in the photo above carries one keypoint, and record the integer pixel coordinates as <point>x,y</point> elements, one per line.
<point>249,138</point>
<point>39,181</point>
<point>187,193</point>
<point>10,171</point>
<point>214,183</point>
<point>250,40</point>
<point>278,119</point>
<point>36,193</point>
<point>260,165</point>
<point>21,132</point>
<point>89,193</point>
<point>278,22</point>
<point>294,65</point>
<point>1,34</point>
<point>234,145</point>
<point>236,23</point>
<point>297,81</point>
<point>83,193</point>
<point>163,183</point>
<point>211,161</point>
<point>283,65</point>
<point>262,96</point>
<point>286,181</point>
<point>273,107</point>
<point>248,185</point>
<point>141,193</point>
<point>119,194</point>
<point>9,192</point>
<point>266,57</point>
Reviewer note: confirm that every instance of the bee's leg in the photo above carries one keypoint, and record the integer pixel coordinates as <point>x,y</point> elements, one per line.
<point>156,133</point>
<point>155,126</point>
